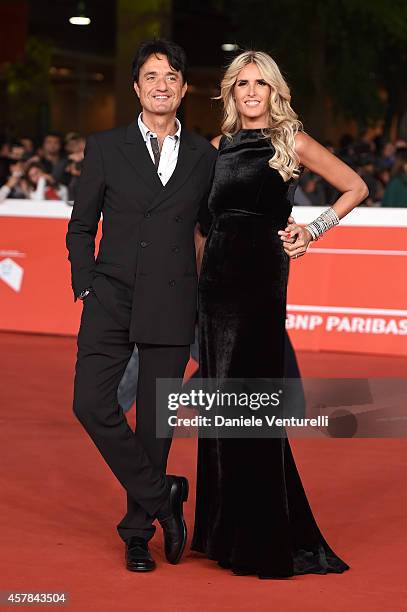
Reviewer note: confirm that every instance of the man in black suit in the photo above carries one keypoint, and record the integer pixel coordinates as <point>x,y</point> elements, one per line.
<point>149,180</point>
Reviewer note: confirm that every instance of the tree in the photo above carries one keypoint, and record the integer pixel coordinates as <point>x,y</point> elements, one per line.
<point>349,52</point>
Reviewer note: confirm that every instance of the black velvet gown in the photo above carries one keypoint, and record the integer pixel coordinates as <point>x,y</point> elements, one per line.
<point>252,514</point>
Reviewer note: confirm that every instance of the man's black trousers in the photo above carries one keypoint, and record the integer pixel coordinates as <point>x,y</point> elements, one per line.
<point>138,459</point>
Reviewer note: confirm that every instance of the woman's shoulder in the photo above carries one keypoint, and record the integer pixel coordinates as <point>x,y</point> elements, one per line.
<point>301,141</point>
<point>216,141</point>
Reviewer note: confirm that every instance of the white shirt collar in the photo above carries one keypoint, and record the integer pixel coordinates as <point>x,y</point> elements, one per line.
<point>147,133</point>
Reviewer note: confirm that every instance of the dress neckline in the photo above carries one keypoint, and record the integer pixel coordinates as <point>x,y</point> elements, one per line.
<point>245,136</point>
<point>253,129</point>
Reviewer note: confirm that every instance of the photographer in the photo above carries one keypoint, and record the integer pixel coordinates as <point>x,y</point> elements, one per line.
<point>69,170</point>
<point>12,188</point>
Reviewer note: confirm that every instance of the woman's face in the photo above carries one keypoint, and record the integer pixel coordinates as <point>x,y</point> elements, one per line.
<point>252,95</point>
<point>34,174</point>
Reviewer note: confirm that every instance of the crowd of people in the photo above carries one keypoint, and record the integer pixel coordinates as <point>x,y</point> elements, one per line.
<point>382,165</point>
<point>51,171</point>
<point>47,172</point>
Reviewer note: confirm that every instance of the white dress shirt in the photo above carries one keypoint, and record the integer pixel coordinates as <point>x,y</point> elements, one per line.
<point>169,150</point>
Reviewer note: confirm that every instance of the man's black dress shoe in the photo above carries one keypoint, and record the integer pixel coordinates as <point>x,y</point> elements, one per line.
<point>171,519</point>
<point>138,558</point>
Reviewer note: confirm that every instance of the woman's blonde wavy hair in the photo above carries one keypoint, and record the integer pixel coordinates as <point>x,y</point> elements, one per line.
<point>283,121</point>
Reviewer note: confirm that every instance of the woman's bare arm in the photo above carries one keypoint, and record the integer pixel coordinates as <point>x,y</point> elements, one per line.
<point>318,159</point>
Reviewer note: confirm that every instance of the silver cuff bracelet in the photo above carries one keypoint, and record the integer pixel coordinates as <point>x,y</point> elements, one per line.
<point>324,222</point>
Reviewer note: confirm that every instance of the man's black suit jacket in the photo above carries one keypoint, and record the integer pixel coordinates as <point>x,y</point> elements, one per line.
<point>145,270</point>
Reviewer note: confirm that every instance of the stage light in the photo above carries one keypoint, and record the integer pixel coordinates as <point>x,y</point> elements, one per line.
<point>80,17</point>
<point>229,47</point>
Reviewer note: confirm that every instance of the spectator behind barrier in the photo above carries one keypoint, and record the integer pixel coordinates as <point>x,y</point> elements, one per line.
<point>12,187</point>
<point>367,171</point>
<point>14,151</point>
<point>31,182</point>
<point>69,169</point>
<point>39,185</point>
<point>379,162</point>
<point>396,190</point>
<point>49,154</point>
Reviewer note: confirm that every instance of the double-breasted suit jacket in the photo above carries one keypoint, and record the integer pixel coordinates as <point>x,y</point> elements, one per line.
<point>145,270</point>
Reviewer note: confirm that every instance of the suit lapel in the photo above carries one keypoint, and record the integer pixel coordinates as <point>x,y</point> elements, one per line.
<point>135,151</point>
<point>188,156</point>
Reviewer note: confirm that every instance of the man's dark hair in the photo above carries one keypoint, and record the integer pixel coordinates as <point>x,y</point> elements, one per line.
<point>175,54</point>
<point>54,134</point>
<point>15,143</point>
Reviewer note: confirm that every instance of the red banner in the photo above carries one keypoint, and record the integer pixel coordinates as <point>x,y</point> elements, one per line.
<point>348,293</point>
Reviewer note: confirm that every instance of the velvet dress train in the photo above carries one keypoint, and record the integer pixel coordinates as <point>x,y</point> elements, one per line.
<point>252,514</point>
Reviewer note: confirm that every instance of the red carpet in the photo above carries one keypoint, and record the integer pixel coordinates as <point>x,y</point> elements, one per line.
<point>60,504</point>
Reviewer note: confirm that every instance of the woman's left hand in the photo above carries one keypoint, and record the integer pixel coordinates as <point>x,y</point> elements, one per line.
<point>295,239</point>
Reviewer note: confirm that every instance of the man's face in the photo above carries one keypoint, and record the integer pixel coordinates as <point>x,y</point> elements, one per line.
<point>75,145</point>
<point>18,167</point>
<point>27,144</point>
<point>52,145</point>
<point>16,152</point>
<point>160,87</point>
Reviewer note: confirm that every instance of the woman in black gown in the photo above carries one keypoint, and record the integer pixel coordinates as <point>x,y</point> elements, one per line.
<point>252,514</point>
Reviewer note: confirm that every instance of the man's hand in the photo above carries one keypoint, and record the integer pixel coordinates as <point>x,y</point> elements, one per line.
<point>17,171</point>
<point>72,169</point>
<point>76,157</point>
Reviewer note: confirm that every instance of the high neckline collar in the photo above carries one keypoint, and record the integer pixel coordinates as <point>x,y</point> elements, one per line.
<point>254,129</point>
